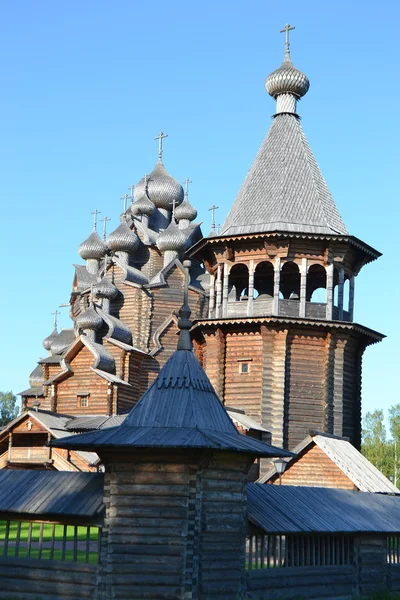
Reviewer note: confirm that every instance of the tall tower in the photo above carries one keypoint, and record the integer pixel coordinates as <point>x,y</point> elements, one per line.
<point>280,340</point>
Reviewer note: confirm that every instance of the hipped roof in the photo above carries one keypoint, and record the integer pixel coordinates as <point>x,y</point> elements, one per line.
<point>284,189</point>
<point>180,409</point>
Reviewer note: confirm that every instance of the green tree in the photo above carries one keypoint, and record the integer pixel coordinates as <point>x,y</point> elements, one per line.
<point>394,425</point>
<point>8,408</point>
<point>375,446</point>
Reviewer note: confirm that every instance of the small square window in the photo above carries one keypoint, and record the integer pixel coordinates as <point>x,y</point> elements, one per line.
<point>83,401</point>
<point>244,367</point>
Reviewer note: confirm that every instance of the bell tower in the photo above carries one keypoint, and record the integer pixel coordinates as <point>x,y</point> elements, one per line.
<point>280,339</point>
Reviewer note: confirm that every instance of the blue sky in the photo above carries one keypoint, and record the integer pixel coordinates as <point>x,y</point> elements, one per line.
<point>87,85</point>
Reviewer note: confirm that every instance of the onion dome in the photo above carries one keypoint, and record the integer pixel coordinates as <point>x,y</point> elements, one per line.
<point>62,341</point>
<point>162,189</point>
<point>185,211</point>
<point>287,80</point>
<point>36,378</point>
<point>123,239</point>
<point>105,289</point>
<point>89,319</point>
<point>93,247</point>
<point>142,205</point>
<point>172,238</point>
<point>47,342</point>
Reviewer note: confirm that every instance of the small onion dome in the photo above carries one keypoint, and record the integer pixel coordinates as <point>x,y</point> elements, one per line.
<point>185,211</point>
<point>89,319</point>
<point>162,189</point>
<point>123,239</point>
<point>47,342</point>
<point>93,247</point>
<point>287,79</point>
<point>105,289</point>
<point>36,378</point>
<point>172,238</point>
<point>142,205</point>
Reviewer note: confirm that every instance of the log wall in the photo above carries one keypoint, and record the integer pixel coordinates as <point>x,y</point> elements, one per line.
<point>330,583</point>
<point>31,579</point>
<point>163,535</point>
<point>314,468</point>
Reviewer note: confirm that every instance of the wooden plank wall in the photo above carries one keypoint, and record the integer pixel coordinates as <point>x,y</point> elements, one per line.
<point>314,468</point>
<point>84,379</point>
<point>31,579</point>
<point>243,390</point>
<point>330,583</point>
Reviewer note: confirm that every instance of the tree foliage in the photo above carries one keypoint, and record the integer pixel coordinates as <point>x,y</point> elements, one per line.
<point>381,450</point>
<point>8,408</point>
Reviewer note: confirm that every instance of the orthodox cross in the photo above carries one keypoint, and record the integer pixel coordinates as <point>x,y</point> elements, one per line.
<point>213,209</point>
<point>105,219</point>
<point>55,313</point>
<point>124,198</point>
<point>131,189</point>
<point>160,138</point>
<point>173,208</point>
<point>146,179</point>
<point>286,29</point>
<point>186,183</point>
<point>95,213</point>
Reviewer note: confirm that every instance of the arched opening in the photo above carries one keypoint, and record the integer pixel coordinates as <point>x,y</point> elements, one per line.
<point>290,281</point>
<point>316,284</point>
<point>238,283</point>
<point>335,287</point>
<point>264,281</point>
<point>346,293</point>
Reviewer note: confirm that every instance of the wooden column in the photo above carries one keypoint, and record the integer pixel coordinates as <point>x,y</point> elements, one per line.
<point>10,440</point>
<point>53,398</point>
<point>250,291</point>
<point>219,292</point>
<point>277,281</point>
<point>351,297</point>
<point>225,291</point>
<point>338,397</point>
<point>329,291</point>
<point>340,293</point>
<point>211,305</point>
<point>273,383</point>
<point>303,286</point>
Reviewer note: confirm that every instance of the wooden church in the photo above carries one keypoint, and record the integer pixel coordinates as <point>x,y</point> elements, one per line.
<point>272,299</point>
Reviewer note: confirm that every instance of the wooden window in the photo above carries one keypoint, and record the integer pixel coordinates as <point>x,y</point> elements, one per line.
<point>83,400</point>
<point>244,367</point>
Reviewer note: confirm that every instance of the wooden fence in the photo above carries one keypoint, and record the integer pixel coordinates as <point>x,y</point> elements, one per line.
<point>278,551</point>
<point>50,541</point>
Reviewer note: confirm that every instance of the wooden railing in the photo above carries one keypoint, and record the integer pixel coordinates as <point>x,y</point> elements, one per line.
<point>35,454</point>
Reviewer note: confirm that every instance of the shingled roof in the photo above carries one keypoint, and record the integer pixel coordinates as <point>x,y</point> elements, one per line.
<point>179,410</point>
<point>284,189</point>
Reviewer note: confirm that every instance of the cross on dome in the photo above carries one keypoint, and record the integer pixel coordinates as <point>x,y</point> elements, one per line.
<point>160,138</point>
<point>186,184</point>
<point>125,198</point>
<point>286,30</point>
<point>105,219</point>
<point>213,208</point>
<point>55,313</point>
<point>95,213</point>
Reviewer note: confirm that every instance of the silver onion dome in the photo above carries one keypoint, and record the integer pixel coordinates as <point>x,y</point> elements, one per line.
<point>36,378</point>
<point>93,247</point>
<point>172,238</point>
<point>162,189</point>
<point>89,319</point>
<point>287,79</point>
<point>47,342</point>
<point>185,211</point>
<point>105,289</point>
<point>142,205</point>
<point>123,239</point>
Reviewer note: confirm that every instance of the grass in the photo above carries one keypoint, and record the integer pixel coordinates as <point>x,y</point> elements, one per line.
<point>47,537</point>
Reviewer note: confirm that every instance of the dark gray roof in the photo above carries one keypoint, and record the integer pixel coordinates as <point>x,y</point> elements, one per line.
<point>353,464</point>
<point>51,360</point>
<point>284,189</point>
<point>84,279</point>
<point>94,422</point>
<point>291,509</point>
<point>32,391</point>
<point>179,410</point>
<point>51,493</point>
<point>36,377</point>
